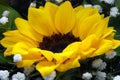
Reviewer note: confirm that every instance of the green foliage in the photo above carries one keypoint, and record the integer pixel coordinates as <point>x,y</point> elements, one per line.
<point>73,74</point>
<point>13,14</point>
<point>115,22</point>
<point>10,25</point>
<point>117,4</point>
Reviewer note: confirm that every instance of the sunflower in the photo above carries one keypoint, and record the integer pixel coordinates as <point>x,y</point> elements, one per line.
<point>58,37</point>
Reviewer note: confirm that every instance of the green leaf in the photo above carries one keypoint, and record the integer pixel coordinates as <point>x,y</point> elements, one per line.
<point>116,23</point>
<point>118,51</point>
<point>5,60</point>
<point>12,16</point>
<point>95,1</point>
<point>10,25</point>
<point>117,4</point>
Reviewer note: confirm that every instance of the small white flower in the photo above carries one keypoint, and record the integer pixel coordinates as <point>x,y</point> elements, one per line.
<point>111,54</point>
<point>95,6</point>
<point>102,66</point>
<point>108,1</point>
<point>51,76</point>
<point>18,76</point>
<point>28,70</point>
<point>100,75</point>
<point>114,12</point>
<point>6,13</point>
<point>59,1</point>
<point>17,58</point>
<point>99,64</point>
<point>3,20</point>
<point>116,77</point>
<point>32,4</point>
<point>4,74</point>
<point>87,5</point>
<point>99,8</point>
<point>96,63</point>
<point>87,76</point>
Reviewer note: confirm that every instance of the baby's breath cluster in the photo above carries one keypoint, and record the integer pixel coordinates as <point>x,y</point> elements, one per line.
<point>32,4</point>
<point>111,11</point>
<point>4,18</point>
<point>99,68</point>
<point>94,6</point>
<point>116,77</point>
<point>55,43</point>
<point>4,75</point>
<point>108,1</point>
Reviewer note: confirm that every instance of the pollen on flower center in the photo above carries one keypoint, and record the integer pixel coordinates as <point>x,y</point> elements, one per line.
<point>57,42</point>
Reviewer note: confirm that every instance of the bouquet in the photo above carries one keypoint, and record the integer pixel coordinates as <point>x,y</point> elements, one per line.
<point>59,40</point>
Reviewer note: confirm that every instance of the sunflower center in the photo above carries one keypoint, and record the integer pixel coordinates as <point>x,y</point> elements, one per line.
<point>57,42</point>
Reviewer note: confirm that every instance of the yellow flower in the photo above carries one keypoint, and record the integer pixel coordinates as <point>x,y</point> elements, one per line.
<point>57,37</point>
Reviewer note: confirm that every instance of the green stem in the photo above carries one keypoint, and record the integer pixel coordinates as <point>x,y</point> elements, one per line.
<point>59,74</point>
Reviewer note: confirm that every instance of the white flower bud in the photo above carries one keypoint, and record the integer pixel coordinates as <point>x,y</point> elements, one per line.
<point>114,12</point>
<point>99,7</point>
<point>59,1</point>
<point>6,13</point>
<point>87,5</point>
<point>111,54</point>
<point>96,63</point>
<point>87,76</point>
<point>4,74</point>
<point>28,70</point>
<point>100,75</point>
<point>102,66</point>
<point>99,64</point>
<point>18,76</point>
<point>3,20</point>
<point>108,1</point>
<point>116,77</point>
<point>32,4</point>
<point>17,58</point>
<point>51,76</point>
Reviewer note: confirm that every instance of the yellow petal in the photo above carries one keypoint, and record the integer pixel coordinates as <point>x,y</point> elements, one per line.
<point>12,37</point>
<point>100,27</point>
<point>104,46</point>
<point>50,10</point>
<point>88,46</point>
<point>33,54</point>
<point>89,42</point>
<point>65,18</point>
<point>116,43</point>
<point>46,68</point>
<point>72,47</point>
<point>78,8</point>
<point>8,42</point>
<point>8,52</point>
<point>47,54</point>
<point>86,54</point>
<point>81,15</point>
<point>86,12</point>
<point>69,65</point>
<point>61,57</point>
<point>21,48</point>
<point>39,21</point>
<point>86,25</point>
<point>108,33</point>
<point>25,63</point>
<point>27,30</point>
